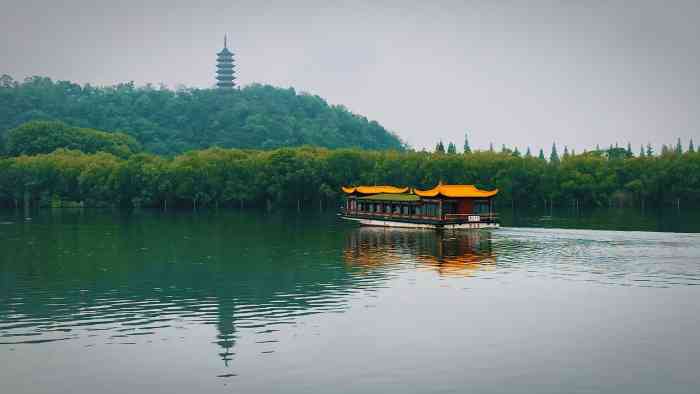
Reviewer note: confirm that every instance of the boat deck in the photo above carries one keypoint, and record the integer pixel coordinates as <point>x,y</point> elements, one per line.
<point>488,220</point>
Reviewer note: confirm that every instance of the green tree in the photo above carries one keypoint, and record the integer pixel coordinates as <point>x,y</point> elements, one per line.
<point>305,177</point>
<point>451,148</point>
<point>170,122</point>
<point>7,82</point>
<point>618,153</point>
<point>440,148</point>
<point>554,156</point>
<point>691,147</point>
<point>45,137</point>
<point>467,149</point>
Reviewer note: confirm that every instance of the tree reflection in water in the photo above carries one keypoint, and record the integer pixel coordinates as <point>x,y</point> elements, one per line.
<point>100,278</point>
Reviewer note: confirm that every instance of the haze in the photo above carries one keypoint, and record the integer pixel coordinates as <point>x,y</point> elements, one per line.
<point>507,72</point>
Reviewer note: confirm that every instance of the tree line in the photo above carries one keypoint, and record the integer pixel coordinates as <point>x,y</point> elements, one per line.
<point>310,177</point>
<point>614,152</point>
<point>170,122</point>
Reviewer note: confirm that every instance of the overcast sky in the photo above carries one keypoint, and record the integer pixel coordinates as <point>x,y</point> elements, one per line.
<point>508,72</point>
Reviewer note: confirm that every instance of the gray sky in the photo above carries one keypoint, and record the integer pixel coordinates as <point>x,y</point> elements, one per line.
<point>513,72</point>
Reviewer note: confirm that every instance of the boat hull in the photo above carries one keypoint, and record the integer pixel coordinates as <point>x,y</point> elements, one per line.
<point>406,224</point>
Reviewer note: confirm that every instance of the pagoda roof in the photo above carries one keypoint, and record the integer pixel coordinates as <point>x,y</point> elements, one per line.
<point>392,197</point>
<point>374,189</point>
<point>456,191</point>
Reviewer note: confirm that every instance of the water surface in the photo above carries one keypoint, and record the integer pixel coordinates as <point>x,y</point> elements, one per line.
<point>94,301</point>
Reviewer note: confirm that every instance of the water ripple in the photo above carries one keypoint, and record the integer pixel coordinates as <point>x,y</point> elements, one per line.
<point>143,284</point>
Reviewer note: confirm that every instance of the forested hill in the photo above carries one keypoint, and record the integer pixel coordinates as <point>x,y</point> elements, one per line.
<point>170,122</point>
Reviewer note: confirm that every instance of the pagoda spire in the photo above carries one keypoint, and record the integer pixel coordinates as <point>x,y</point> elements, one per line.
<point>225,67</point>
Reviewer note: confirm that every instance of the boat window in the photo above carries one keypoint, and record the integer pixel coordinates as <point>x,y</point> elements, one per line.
<point>431,209</point>
<point>481,207</point>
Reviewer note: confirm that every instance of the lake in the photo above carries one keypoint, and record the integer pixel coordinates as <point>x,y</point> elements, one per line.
<point>107,302</point>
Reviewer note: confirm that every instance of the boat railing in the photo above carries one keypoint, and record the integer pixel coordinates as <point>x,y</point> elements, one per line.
<point>473,217</point>
<point>388,215</point>
<point>460,217</point>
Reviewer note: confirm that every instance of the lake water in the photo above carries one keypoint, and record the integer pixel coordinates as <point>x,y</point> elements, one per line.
<point>104,302</point>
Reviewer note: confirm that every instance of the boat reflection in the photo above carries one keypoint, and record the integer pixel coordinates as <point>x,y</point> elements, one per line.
<point>459,254</point>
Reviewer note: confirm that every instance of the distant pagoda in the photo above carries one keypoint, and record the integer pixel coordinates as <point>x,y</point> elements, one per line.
<point>225,68</point>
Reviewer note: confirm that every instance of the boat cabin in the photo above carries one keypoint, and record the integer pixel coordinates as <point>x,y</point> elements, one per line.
<point>444,206</point>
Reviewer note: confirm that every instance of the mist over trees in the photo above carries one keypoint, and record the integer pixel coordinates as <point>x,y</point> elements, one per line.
<point>169,122</point>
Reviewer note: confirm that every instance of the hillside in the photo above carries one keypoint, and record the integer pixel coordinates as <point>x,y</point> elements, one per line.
<point>169,122</point>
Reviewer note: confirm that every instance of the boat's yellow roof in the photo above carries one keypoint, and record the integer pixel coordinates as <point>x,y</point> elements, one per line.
<point>375,189</point>
<point>456,191</point>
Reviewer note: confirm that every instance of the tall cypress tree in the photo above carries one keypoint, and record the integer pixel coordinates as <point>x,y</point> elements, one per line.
<point>451,149</point>
<point>650,150</point>
<point>541,155</point>
<point>491,147</point>
<point>554,156</point>
<point>440,148</point>
<point>691,147</point>
<point>528,153</point>
<point>467,148</point>
<point>629,150</point>
<point>566,152</point>
<point>679,147</point>
<point>641,151</point>
<point>516,152</point>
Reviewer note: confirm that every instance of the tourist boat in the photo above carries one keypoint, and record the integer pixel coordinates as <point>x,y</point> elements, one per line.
<point>442,207</point>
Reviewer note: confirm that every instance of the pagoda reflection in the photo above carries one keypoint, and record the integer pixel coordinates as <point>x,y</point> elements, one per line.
<point>460,254</point>
<point>184,271</point>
